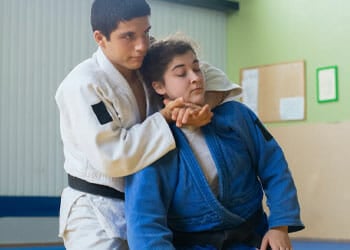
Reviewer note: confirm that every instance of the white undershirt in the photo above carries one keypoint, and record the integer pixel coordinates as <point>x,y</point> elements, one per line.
<point>203,156</point>
<point>201,151</point>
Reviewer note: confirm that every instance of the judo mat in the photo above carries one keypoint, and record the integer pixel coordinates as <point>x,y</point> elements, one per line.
<point>297,245</point>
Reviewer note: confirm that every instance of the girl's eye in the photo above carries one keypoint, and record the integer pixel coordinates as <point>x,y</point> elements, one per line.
<point>181,75</point>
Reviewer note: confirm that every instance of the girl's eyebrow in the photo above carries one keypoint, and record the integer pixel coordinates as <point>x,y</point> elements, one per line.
<point>183,65</point>
<point>177,66</point>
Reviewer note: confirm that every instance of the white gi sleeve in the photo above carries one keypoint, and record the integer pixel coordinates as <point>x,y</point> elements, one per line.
<point>92,126</point>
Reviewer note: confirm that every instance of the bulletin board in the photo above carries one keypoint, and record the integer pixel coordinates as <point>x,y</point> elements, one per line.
<point>275,92</point>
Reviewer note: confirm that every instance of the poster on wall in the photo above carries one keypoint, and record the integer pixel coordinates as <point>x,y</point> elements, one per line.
<point>327,84</point>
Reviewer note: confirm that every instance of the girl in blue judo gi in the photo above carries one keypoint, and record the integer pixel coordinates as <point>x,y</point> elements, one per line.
<point>208,192</point>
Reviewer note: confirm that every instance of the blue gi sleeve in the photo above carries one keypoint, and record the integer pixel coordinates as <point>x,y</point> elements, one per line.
<point>148,195</point>
<point>275,176</point>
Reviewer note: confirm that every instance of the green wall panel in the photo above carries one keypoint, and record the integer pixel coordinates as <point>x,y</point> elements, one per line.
<point>272,31</point>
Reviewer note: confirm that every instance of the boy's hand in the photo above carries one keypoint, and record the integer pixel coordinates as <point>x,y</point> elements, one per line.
<point>190,114</point>
<point>277,239</point>
<point>170,106</point>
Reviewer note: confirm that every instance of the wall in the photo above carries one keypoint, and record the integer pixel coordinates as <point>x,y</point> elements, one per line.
<point>316,153</point>
<point>272,31</point>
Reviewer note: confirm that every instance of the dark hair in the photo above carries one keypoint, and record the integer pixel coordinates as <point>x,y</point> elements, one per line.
<point>159,55</point>
<point>107,14</point>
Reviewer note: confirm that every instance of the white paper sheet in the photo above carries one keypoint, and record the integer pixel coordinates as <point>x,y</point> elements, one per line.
<point>250,86</point>
<point>327,84</point>
<point>292,108</point>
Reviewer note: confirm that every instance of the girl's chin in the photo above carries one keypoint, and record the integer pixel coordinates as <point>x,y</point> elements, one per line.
<point>198,102</point>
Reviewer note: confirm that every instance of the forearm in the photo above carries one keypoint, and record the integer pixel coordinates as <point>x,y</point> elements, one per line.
<point>148,194</point>
<point>116,151</point>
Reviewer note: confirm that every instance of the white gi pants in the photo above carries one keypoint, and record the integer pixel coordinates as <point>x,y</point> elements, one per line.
<point>93,223</point>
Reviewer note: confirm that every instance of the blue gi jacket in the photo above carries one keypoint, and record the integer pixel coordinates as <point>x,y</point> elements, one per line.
<point>174,193</point>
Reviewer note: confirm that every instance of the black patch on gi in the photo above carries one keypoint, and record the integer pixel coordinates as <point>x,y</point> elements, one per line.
<point>101,113</point>
<point>263,130</point>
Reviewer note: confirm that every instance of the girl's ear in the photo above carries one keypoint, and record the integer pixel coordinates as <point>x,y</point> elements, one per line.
<point>159,87</point>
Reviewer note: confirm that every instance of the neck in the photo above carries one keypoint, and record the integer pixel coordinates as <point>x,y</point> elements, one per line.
<point>128,74</point>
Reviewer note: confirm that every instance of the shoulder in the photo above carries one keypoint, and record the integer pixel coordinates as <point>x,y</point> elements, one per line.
<point>232,108</point>
<point>86,72</point>
<point>232,114</point>
<point>78,80</point>
<point>217,80</point>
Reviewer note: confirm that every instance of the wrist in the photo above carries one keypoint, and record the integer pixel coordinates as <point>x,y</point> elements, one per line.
<point>166,114</point>
<point>281,228</point>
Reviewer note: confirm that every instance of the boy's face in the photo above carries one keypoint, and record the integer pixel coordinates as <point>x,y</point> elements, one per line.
<point>183,78</point>
<point>127,45</point>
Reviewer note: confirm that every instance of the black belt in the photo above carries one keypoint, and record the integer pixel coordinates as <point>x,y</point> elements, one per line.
<point>93,188</point>
<point>244,234</point>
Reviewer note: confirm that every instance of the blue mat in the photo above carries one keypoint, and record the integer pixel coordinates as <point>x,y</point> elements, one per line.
<point>320,245</point>
<point>34,248</point>
<point>297,245</point>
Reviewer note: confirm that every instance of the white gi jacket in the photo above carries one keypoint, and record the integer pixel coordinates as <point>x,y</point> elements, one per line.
<point>103,144</point>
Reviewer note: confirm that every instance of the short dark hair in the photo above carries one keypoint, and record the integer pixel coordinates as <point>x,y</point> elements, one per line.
<point>107,14</point>
<point>159,55</point>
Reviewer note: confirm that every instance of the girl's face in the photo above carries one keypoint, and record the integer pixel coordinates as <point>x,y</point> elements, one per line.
<point>183,78</point>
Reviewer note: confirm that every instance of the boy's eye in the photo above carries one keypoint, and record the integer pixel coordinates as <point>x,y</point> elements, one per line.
<point>128,36</point>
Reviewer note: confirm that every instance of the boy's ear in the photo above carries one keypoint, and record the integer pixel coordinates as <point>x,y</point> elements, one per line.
<point>159,87</point>
<point>99,38</point>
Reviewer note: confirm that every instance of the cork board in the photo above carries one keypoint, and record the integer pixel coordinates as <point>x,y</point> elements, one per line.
<point>276,92</point>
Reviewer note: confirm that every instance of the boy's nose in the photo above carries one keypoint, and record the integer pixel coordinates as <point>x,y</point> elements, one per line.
<point>142,45</point>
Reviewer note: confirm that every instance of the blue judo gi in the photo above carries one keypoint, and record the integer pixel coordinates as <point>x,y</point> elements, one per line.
<point>173,195</point>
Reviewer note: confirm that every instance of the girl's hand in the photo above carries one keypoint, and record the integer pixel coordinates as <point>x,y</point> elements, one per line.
<point>277,239</point>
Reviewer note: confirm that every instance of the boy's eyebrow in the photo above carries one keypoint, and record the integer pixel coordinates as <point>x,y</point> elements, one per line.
<point>127,33</point>
<point>132,32</point>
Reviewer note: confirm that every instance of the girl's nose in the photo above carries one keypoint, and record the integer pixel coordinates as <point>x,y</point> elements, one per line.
<point>195,78</point>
